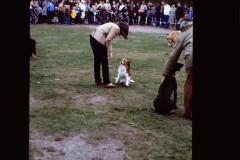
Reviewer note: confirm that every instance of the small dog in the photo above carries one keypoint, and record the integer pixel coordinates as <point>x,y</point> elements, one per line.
<point>171,37</point>
<point>164,103</point>
<point>124,73</point>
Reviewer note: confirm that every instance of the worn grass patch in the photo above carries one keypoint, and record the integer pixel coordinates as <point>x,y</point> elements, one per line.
<point>65,99</point>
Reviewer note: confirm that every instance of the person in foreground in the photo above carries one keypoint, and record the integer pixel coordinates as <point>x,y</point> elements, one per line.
<point>32,49</point>
<point>101,43</point>
<point>183,42</point>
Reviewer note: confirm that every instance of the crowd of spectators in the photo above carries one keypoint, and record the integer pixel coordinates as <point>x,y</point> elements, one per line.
<point>70,12</point>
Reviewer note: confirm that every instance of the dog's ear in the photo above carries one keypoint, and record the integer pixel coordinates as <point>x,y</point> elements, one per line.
<point>128,64</point>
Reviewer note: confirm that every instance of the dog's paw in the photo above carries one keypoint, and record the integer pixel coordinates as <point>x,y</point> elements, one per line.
<point>132,80</point>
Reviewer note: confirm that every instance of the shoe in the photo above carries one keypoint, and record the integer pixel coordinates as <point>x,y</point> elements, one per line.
<point>99,83</point>
<point>187,116</point>
<point>110,85</point>
<point>33,56</point>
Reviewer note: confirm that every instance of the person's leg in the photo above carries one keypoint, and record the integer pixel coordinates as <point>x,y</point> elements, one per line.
<point>188,93</point>
<point>105,69</point>
<point>97,59</point>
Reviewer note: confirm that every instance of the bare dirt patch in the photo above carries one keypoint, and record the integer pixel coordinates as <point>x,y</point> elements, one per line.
<point>73,147</point>
<point>82,100</point>
<point>32,99</point>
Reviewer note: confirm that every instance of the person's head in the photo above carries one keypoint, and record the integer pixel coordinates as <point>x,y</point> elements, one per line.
<point>173,5</point>
<point>166,2</point>
<point>179,4</point>
<point>143,2</point>
<point>185,23</point>
<point>191,8</point>
<point>124,28</point>
<point>162,2</point>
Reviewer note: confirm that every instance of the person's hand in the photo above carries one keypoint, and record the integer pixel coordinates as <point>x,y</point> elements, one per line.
<point>162,79</point>
<point>109,56</point>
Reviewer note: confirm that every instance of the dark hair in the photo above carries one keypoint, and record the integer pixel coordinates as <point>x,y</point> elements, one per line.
<point>187,19</point>
<point>124,28</point>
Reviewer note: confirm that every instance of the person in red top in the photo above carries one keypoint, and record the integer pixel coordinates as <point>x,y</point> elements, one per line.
<point>131,15</point>
<point>136,13</point>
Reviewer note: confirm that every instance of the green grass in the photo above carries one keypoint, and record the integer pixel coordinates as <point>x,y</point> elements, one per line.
<point>62,82</point>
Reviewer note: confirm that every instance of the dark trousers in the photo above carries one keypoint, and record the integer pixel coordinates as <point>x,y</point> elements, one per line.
<point>188,92</point>
<point>100,57</point>
<point>142,18</point>
<point>165,23</point>
<point>50,15</point>
<point>32,47</point>
<point>158,18</point>
<point>161,17</point>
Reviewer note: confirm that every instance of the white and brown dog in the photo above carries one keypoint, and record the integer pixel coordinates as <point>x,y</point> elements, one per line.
<point>171,37</point>
<point>124,73</point>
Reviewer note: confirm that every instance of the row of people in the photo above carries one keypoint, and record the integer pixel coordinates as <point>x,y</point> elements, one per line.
<point>85,12</point>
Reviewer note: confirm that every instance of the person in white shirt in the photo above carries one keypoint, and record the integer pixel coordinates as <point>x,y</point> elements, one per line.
<point>166,13</point>
<point>143,13</point>
<point>121,7</point>
<point>107,5</point>
<point>82,6</point>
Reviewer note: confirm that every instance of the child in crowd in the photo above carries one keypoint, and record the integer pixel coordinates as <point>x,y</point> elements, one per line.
<point>73,15</point>
<point>67,14</point>
<point>44,14</point>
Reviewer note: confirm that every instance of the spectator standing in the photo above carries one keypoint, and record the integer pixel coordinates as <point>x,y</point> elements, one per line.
<point>179,14</point>
<point>44,14</point>
<point>82,6</point>
<point>73,15</point>
<point>143,13</point>
<point>60,14</point>
<point>50,12</point>
<point>157,8</point>
<point>185,9</point>
<point>131,15</point>
<point>136,13</point>
<point>78,17</point>
<point>149,9</point>
<point>172,16</point>
<point>161,13</point>
<point>166,12</point>
<point>190,14</point>
<point>45,3</point>
<point>67,14</point>
<point>153,16</point>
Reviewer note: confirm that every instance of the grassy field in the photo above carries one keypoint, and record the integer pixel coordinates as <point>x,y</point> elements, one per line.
<point>65,99</point>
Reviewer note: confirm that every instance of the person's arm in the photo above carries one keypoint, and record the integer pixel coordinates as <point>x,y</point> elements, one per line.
<point>111,35</point>
<point>172,59</point>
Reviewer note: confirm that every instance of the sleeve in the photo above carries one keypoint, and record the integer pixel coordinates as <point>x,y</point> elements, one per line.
<point>111,35</point>
<point>173,58</point>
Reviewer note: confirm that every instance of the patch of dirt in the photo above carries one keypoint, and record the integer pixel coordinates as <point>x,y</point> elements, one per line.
<point>82,100</point>
<point>32,100</point>
<point>74,147</point>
